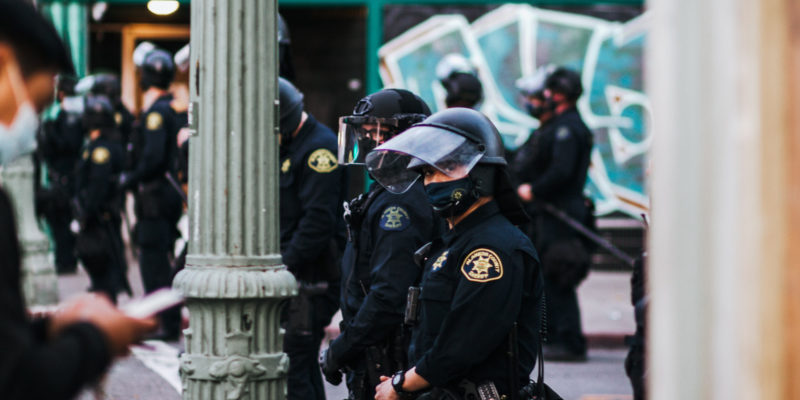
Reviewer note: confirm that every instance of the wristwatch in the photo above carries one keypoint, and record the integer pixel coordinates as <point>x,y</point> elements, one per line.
<point>397,382</point>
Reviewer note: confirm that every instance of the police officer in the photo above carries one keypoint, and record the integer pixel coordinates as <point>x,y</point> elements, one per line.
<point>97,202</point>
<point>384,230</point>
<point>312,235</point>
<point>554,172</point>
<point>460,81</point>
<point>158,204</point>
<point>482,285</point>
<point>59,146</point>
<point>108,85</point>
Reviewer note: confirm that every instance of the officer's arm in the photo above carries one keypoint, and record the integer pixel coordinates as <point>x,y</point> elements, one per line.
<point>393,270</point>
<point>154,137</point>
<point>99,180</point>
<point>564,159</point>
<point>320,195</point>
<point>481,316</point>
<point>521,165</point>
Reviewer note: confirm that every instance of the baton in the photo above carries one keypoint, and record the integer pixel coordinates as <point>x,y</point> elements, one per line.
<point>597,239</point>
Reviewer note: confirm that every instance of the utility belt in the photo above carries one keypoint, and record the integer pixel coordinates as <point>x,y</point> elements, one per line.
<point>151,201</point>
<point>383,359</point>
<point>486,390</point>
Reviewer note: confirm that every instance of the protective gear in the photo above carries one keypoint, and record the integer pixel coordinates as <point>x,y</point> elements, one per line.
<point>291,105</point>
<point>105,84</point>
<point>158,69</point>
<point>330,370</point>
<point>463,90</point>
<point>18,138</point>
<point>98,113</point>
<point>452,197</point>
<point>376,119</point>
<point>532,86</point>
<point>458,142</point>
<point>452,141</point>
<point>566,82</point>
<point>283,32</point>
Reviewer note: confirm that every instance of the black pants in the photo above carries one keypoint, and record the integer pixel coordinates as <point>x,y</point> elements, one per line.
<point>156,238</point>
<point>100,250</point>
<point>564,319</point>
<point>64,239</point>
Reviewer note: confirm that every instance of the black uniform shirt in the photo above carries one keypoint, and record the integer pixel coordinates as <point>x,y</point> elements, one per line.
<point>481,277</point>
<point>557,161</point>
<point>311,195</point>
<point>379,266</point>
<point>100,165</point>
<point>61,147</point>
<point>31,365</point>
<point>156,148</point>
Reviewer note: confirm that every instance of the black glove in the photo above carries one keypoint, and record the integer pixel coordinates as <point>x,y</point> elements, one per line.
<point>329,367</point>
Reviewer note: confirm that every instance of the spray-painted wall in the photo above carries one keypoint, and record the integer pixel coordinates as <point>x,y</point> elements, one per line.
<point>513,41</point>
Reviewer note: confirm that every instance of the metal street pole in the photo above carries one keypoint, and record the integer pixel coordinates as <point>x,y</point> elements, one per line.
<point>234,281</point>
<point>39,281</point>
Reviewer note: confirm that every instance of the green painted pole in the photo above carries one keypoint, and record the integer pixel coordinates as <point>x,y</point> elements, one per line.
<point>39,281</point>
<point>234,282</point>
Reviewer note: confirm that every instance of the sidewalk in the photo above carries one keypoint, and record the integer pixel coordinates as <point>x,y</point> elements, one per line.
<point>151,372</point>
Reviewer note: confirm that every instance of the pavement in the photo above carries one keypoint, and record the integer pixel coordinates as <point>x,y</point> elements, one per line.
<point>151,370</point>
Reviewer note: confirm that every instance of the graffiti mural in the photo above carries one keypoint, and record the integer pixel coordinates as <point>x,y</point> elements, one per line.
<point>513,41</point>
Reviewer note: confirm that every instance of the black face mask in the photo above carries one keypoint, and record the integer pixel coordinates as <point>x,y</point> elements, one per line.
<point>537,111</point>
<point>453,198</point>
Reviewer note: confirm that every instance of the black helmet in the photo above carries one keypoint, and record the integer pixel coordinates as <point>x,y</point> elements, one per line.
<point>291,106</point>
<point>533,86</point>
<point>283,31</point>
<point>376,119</point>
<point>463,90</point>
<point>158,69</point>
<point>98,113</point>
<point>459,142</point>
<point>566,82</point>
<point>107,85</point>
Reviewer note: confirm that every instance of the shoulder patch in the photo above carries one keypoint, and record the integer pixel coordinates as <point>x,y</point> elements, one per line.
<point>482,265</point>
<point>439,263</point>
<point>154,121</point>
<point>100,155</point>
<point>395,218</point>
<point>562,133</point>
<point>287,163</point>
<point>322,161</point>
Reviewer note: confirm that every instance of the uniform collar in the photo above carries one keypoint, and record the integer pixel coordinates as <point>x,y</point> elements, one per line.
<point>477,217</point>
<point>305,130</point>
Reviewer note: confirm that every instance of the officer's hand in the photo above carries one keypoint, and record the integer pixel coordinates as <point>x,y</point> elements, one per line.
<point>120,330</point>
<point>525,193</point>
<point>329,367</point>
<point>385,390</point>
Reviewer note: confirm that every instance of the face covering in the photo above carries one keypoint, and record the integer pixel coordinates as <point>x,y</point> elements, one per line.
<point>19,138</point>
<point>453,198</point>
<point>537,111</point>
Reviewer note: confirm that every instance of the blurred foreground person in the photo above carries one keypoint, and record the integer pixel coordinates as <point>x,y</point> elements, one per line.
<point>477,319</point>
<point>51,358</point>
<point>384,230</point>
<point>312,235</point>
<point>98,200</point>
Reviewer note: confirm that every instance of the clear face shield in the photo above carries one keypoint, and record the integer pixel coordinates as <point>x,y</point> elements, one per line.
<point>398,163</point>
<point>359,135</point>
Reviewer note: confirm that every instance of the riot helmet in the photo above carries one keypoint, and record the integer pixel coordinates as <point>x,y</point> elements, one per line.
<point>98,113</point>
<point>376,119</point>
<point>291,106</point>
<point>565,81</point>
<point>283,31</point>
<point>463,90</point>
<point>459,142</point>
<point>156,65</point>
<point>532,87</point>
<point>101,84</point>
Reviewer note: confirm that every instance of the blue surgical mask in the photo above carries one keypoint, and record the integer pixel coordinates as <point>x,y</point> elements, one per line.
<point>18,138</point>
<point>452,198</point>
